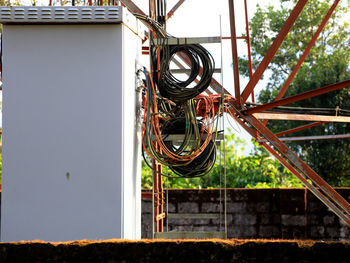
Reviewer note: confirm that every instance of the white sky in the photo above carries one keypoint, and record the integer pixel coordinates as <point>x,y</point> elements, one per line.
<point>197,18</point>
<point>201,18</point>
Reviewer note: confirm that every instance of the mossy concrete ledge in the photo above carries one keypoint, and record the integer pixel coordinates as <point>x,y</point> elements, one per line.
<point>213,250</point>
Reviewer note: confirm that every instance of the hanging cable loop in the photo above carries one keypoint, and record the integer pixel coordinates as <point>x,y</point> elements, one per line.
<point>171,106</point>
<point>179,91</point>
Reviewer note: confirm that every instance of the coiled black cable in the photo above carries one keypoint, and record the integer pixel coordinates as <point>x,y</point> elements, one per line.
<point>179,91</point>
<point>177,115</point>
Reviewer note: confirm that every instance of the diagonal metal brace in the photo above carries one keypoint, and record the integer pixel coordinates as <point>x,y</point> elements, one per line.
<point>340,206</point>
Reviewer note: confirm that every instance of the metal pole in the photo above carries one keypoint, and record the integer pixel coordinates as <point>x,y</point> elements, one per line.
<point>250,67</point>
<point>302,96</point>
<point>234,53</point>
<point>273,49</point>
<point>311,138</point>
<point>307,50</point>
<point>300,128</point>
<point>176,6</point>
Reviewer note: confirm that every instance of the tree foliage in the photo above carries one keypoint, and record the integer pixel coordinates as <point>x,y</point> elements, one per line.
<point>258,169</point>
<point>327,63</point>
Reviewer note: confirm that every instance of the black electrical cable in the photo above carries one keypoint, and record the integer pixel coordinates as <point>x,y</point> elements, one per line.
<point>169,86</point>
<point>179,91</point>
<point>192,129</point>
<point>177,115</point>
<point>200,165</point>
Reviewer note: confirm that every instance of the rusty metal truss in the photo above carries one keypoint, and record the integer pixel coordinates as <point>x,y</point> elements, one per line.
<point>254,118</point>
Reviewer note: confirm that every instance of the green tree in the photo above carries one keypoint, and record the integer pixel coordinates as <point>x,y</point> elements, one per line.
<point>327,63</point>
<point>10,2</point>
<point>258,169</point>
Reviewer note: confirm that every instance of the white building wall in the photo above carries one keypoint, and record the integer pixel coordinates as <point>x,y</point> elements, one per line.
<point>70,170</point>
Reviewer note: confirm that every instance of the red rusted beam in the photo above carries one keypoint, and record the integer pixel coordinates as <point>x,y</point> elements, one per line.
<point>132,7</point>
<point>330,197</point>
<point>241,37</point>
<point>216,86</point>
<point>234,52</point>
<point>299,97</point>
<point>272,50</point>
<point>300,117</point>
<point>300,165</point>
<point>300,128</point>
<point>158,195</point>
<point>146,194</point>
<point>176,6</point>
<point>152,9</point>
<point>250,67</point>
<point>307,50</point>
<point>311,138</point>
<point>155,193</point>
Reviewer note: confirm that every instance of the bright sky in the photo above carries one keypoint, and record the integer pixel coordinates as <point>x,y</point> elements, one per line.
<point>197,18</point>
<point>201,18</point>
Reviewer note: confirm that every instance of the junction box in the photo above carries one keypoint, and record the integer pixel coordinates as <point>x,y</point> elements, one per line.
<point>71,167</point>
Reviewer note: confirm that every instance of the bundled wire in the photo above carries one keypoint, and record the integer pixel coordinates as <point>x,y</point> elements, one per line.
<point>154,25</point>
<point>170,108</point>
<point>196,154</point>
<point>169,86</point>
<point>176,90</point>
<point>201,164</point>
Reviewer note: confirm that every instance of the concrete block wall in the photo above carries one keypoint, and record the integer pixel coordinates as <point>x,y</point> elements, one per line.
<point>324,224</point>
<point>254,213</point>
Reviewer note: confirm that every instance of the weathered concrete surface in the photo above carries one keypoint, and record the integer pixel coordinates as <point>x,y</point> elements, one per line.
<point>254,213</point>
<point>292,213</point>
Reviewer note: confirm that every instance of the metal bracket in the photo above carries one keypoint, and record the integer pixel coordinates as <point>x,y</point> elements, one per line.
<point>184,40</point>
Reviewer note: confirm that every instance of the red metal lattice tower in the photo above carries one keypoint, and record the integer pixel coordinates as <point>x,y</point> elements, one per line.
<point>248,118</point>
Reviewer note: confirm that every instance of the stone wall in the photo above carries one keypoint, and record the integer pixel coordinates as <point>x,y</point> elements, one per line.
<point>253,213</point>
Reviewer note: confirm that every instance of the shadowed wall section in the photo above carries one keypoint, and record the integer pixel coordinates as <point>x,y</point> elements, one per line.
<point>292,213</point>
